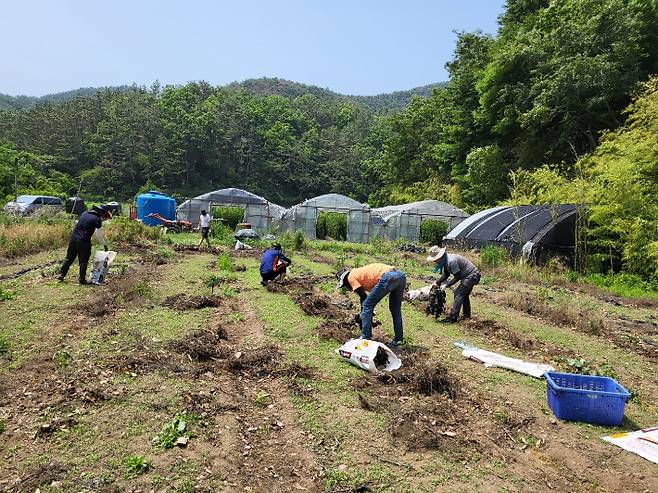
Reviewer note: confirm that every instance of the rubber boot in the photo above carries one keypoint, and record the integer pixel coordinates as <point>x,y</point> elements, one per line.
<point>83,274</point>
<point>64,270</point>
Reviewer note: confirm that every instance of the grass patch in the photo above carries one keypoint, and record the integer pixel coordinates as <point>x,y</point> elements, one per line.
<point>493,256</point>
<point>6,294</point>
<point>4,345</point>
<point>122,231</point>
<point>340,246</point>
<point>561,313</point>
<point>224,262</point>
<point>623,284</point>
<point>136,465</point>
<point>357,478</point>
<point>159,322</point>
<point>31,237</point>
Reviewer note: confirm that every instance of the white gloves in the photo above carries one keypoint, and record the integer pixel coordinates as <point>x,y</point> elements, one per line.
<point>443,286</point>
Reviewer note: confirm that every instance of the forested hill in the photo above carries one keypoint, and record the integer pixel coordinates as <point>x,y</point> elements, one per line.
<point>264,86</point>
<point>23,102</point>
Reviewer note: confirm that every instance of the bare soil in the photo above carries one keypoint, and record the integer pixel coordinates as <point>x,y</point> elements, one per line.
<point>194,249</point>
<point>183,302</point>
<point>250,437</point>
<point>224,377</point>
<point>499,335</point>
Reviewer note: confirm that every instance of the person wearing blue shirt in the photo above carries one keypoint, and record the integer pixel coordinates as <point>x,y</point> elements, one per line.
<point>273,264</point>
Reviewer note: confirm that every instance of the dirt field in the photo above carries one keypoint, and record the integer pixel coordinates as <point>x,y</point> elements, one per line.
<point>153,383</point>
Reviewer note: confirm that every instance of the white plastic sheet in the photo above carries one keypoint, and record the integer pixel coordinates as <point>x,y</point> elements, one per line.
<point>242,246</point>
<point>495,360</point>
<point>642,442</point>
<point>369,355</point>
<point>420,294</point>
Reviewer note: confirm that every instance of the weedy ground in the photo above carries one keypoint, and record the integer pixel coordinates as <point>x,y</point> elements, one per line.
<point>161,380</point>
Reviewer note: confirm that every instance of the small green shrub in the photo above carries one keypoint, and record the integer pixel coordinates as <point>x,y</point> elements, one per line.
<point>231,214</point>
<point>173,430</point>
<point>263,399</point>
<point>432,231</point>
<point>359,261</point>
<point>62,359</point>
<point>572,276</point>
<point>142,289</point>
<point>299,240</point>
<point>584,367</point>
<point>136,465</point>
<point>286,240</point>
<point>332,225</point>
<point>6,294</point>
<point>3,425</point>
<point>164,252</point>
<point>221,232</point>
<point>493,256</point>
<point>380,247</point>
<point>339,263</point>
<point>224,262</point>
<point>212,281</point>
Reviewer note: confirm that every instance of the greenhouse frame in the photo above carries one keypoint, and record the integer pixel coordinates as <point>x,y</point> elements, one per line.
<point>403,221</point>
<point>304,216</point>
<point>534,231</point>
<point>258,211</point>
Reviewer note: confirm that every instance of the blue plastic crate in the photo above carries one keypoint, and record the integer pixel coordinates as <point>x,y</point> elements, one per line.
<point>598,400</point>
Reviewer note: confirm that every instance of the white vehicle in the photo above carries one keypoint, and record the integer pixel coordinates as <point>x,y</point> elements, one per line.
<point>27,204</point>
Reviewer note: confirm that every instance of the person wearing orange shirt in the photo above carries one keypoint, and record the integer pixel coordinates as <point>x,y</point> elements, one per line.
<point>372,282</point>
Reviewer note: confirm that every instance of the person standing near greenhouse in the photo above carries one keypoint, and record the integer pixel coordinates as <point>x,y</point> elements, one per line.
<point>462,270</point>
<point>372,282</point>
<point>204,227</point>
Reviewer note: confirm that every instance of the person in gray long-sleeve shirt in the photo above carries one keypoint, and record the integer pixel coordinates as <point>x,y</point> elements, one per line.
<point>462,270</point>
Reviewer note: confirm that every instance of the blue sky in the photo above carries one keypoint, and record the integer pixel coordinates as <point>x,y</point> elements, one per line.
<point>353,47</point>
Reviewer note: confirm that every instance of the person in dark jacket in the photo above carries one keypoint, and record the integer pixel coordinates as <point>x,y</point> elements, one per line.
<point>462,270</point>
<point>90,223</point>
<point>273,264</point>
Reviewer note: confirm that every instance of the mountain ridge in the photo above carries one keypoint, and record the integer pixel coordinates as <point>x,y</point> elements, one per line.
<point>263,86</point>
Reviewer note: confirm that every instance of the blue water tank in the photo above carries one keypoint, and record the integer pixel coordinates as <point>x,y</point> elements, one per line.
<point>155,202</point>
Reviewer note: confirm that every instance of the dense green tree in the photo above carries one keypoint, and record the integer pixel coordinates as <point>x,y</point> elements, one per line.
<point>561,72</point>
<point>24,173</point>
<point>195,138</point>
<point>618,187</point>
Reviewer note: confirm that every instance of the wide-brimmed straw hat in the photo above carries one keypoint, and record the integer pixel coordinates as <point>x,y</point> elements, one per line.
<point>436,253</point>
